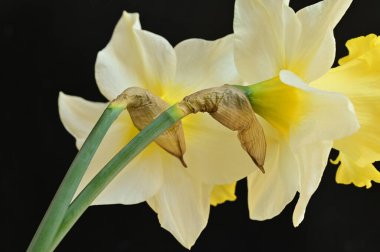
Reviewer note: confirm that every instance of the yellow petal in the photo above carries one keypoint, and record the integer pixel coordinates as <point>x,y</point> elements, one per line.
<point>359,47</point>
<point>359,79</point>
<point>350,172</point>
<point>223,193</point>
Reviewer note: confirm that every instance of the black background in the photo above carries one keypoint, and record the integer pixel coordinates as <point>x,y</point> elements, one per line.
<point>48,46</point>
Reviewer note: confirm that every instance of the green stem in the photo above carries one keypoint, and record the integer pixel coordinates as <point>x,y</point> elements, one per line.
<point>49,225</point>
<point>166,119</point>
<point>247,90</point>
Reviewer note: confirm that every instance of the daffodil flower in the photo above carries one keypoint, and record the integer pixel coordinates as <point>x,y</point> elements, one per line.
<point>358,77</point>
<point>180,196</point>
<point>282,50</point>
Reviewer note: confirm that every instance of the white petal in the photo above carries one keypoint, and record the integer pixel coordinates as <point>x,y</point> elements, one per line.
<point>139,180</point>
<point>316,48</point>
<point>214,154</point>
<point>79,116</point>
<point>202,64</point>
<point>328,115</point>
<point>134,57</point>
<point>312,161</point>
<point>288,170</point>
<point>265,32</point>
<point>182,204</point>
<point>270,37</point>
<point>269,193</point>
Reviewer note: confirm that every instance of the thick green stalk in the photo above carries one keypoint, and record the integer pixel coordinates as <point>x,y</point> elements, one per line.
<point>49,225</point>
<point>166,119</point>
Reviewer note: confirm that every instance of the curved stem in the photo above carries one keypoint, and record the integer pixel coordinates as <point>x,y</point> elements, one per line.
<point>163,122</point>
<point>55,214</point>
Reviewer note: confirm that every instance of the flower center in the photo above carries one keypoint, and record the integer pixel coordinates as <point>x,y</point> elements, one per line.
<point>277,103</point>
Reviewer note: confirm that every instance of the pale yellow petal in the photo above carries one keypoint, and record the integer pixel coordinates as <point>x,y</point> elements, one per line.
<point>351,172</point>
<point>288,169</point>
<point>213,152</point>
<point>264,32</point>
<point>139,180</point>
<point>312,160</point>
<point>223,193</point>
<point>182,204</point>
<point>134,57</point>
<point>203,64</point>
<point>359,79</point>
<point>270,36</point>
<point>269,193</point>
<point>78,116</point>
<point>314,51</point>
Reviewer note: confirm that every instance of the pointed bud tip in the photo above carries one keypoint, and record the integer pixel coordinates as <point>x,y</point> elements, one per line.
<point>261,169</point>
<point>260,166</point>
<point>182,161</point>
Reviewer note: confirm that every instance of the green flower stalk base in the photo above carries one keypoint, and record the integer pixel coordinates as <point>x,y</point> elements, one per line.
<point>54,215</point>
<point>166,120</point>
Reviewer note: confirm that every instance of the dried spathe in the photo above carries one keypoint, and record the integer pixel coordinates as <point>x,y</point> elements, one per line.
<point>144,107</point>
<point>230,107</point>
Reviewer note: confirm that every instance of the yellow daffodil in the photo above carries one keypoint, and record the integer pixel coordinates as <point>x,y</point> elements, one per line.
<point>180,196</point>
<point>282,50</point>
<point>358,77</point>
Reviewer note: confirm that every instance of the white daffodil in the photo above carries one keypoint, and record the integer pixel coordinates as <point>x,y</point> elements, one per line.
<point>282,51</point>
<point>358,77</point>
<point>180,196</point>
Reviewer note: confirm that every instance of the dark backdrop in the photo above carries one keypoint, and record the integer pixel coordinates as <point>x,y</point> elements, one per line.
<point>48,46</point>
